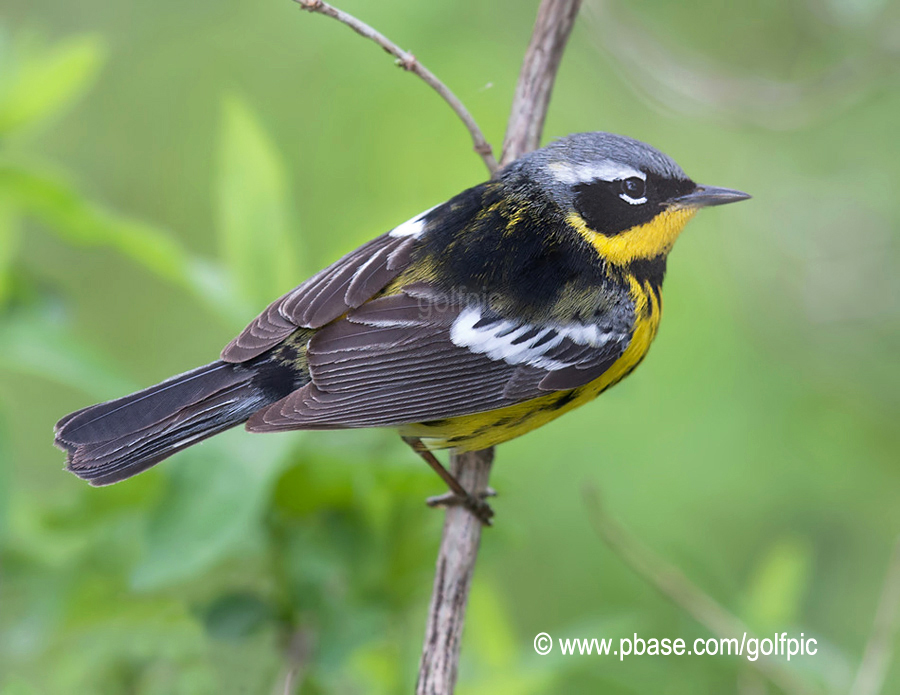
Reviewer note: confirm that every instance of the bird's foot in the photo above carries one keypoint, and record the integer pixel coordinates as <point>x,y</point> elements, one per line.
<point>474,503</point>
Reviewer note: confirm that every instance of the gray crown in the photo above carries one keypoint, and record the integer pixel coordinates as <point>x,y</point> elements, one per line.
<point>582,157</point>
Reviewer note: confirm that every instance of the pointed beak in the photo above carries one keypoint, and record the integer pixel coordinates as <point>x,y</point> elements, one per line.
<point>707,196</point>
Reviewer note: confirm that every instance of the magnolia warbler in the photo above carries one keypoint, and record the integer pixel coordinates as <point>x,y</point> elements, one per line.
<point>472,323</point>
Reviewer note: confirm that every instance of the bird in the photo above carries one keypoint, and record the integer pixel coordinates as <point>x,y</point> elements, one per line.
<point>474,322</point>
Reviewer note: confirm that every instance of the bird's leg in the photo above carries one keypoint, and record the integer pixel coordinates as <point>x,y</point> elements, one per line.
<point>458,495</point>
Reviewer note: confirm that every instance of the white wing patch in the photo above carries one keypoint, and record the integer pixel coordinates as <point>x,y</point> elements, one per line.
<point>501,340</point>
<point>605,170</point>
<point>413,227</point>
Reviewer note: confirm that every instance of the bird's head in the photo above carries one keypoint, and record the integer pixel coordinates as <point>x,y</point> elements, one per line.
<point>625,198</point>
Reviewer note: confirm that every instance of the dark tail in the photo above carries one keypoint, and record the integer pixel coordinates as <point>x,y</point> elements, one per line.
<point>112,441</point>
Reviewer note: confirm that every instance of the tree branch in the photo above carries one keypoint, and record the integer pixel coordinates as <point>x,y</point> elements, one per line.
<point>548,41</point>
<point>410,63</point>
<point>452,579</point>
<point>462,531</point>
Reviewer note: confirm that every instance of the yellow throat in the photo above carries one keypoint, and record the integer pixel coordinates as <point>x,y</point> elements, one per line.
<point>649,240</point>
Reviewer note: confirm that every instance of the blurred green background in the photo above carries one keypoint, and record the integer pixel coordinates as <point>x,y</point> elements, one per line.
<point>167,168</point>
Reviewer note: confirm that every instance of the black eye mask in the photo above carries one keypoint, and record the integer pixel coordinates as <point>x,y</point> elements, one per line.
<point>601,205</point>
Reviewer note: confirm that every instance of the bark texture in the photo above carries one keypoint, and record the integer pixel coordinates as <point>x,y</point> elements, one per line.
<point>462,531</point>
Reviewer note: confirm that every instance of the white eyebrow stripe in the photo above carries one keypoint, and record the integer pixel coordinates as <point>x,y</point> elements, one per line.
<point>605,169</point>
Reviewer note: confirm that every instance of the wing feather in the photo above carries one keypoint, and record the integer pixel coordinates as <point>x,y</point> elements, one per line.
<point>413,357</point>
<point>342,286</point>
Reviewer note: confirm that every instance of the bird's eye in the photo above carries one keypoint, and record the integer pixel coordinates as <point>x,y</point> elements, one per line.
<point>634,188</point>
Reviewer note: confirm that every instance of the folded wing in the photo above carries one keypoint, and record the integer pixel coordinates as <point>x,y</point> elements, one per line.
<point>330,293</point>
<point>415,357</point>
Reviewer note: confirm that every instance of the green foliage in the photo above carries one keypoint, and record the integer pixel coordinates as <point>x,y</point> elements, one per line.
<point>35,344</point>
<point>37,83</point>
<point>9,240</point>
<point>5,457</point>
<point>64,211</point>
<point>779,584</point>
<point>756,448</point>
<point>251,193</point>
<point>79,222</point>
<point>214,500</point>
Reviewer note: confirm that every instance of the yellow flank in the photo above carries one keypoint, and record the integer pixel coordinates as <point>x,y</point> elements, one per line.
<point>481,430</point>
<point>649,240</point>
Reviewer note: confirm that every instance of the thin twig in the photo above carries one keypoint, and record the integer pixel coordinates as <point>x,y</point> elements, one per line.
<point>410,63</point>
<point>462,531</point>
<point>536,78</point>
<point>877,657</point>
<point>675,586</point>
<point>296,660</point>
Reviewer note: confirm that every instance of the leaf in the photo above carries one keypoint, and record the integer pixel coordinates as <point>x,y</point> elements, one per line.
<point>493,640</point>
<point>9,237</point>
<point>6,460</point>
<point>779,584</point>
<point>235,616</point>
<point>310,485</point>
<point>64,211</point>
<point>77,221</point>
<point>218,491</point>
<point>34,344</point>
<point>252,208</point>
<point>41,86</point>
